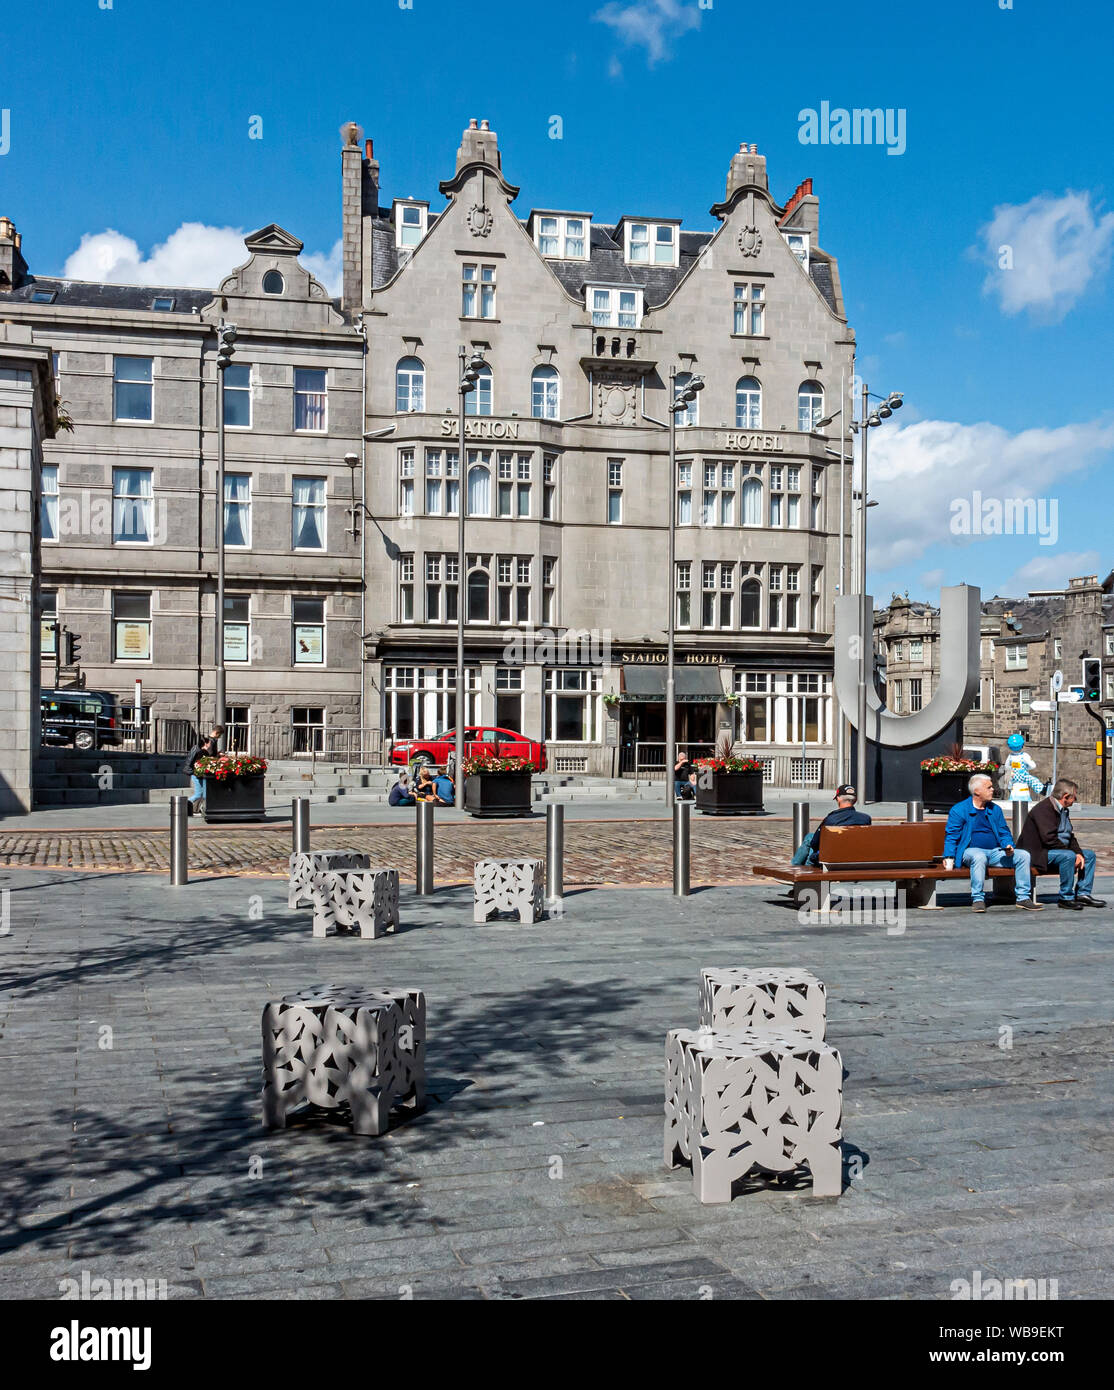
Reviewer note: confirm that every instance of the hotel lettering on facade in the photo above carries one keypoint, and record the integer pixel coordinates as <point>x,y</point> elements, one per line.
<point>565,480</point>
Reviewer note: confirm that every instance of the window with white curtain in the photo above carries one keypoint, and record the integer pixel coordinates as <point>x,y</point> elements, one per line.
<point>478,400</point>
<point>311,400</point>
<point>442,482</point>
<point>810,405</point>
<point>690,415</point>
<point>131,506</point>
<point>545,391</point>
<point>684,492</point>
<point>748,403</point>
<point>49,513</point>
<point>752,502</point>
<point>237,510</point>
<point>409,385</point>
<point>479,483</point>
<point>308,513</point>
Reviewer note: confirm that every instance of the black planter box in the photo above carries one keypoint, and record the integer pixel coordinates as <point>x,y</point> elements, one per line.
<point>234,798</point>
<point>730,794</point>
<point>940,793</point>
<point>497,794</point>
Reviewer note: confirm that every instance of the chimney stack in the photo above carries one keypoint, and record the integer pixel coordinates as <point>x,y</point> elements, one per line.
<point>478,145</point>
<point>359,174</point>
<point>748,170</point>
<point>13,268</point>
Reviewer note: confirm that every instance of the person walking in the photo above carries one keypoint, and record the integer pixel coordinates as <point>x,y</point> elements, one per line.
<point>1049,838</point>
<point>207,748</point>
<point>976,836</point>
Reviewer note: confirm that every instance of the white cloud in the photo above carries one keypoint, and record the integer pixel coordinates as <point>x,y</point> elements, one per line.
<point>917,471</point>
<point>932,579</point>
<point>1053,572</point>
<point>195,256</point>
<point>654,24</point>
<point>1056,248</point>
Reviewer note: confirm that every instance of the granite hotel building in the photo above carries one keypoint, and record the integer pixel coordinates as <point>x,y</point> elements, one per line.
<point>565,479</point>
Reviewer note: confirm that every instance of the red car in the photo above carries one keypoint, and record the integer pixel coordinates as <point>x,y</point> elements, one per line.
<point>502,743</point>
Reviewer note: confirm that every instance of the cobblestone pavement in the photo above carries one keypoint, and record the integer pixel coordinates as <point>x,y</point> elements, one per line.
<point>620,852</point>
<point>979,1101</point>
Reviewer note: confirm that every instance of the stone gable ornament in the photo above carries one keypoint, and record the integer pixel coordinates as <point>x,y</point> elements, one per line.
<point>480,219</point>
<point>750,241</point>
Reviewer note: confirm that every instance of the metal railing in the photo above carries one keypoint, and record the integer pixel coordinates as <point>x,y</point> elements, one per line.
<point>649,758</point>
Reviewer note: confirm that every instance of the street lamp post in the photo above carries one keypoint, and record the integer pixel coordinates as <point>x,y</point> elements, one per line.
<point>470,368</point>
<point>226,336</point>
<point>678,401</point>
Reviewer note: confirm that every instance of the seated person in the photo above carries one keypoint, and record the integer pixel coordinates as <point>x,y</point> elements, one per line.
<point>976,835</point>
<point>1050,840</point>
<point>423,787</point>
<point>444,791</point>
<point>400,794</point>
<point>844,814</point>
<point>684,778</point>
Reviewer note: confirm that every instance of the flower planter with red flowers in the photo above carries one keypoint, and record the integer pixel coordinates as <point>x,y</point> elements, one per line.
<point>497,786</point>
<point>234,786</point>
<point>944,780</point>
<point>729,786</point>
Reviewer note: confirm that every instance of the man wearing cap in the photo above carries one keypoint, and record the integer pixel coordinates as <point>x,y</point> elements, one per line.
<point>844,814</point>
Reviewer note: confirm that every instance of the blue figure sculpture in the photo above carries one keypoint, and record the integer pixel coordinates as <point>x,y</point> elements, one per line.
<point>1018,778</point>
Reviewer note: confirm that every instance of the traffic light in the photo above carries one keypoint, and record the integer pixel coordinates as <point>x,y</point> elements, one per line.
<point>1092,678</point>
<point>71,648</point>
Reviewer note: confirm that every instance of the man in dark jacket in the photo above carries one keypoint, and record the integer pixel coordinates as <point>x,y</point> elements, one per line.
<point>844,814</point>
<point>207,748</point>
<point>1050,839</point>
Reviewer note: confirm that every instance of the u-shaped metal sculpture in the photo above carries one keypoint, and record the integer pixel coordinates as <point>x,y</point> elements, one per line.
<point>960,616</point>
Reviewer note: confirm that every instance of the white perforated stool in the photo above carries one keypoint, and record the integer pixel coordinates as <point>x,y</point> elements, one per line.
<point>304,866</point>
<point>508,885</point>
<point>361,902</point>
<point>763,998</point>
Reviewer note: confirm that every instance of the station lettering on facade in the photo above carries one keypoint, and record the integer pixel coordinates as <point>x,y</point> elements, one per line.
<point>482,429</point>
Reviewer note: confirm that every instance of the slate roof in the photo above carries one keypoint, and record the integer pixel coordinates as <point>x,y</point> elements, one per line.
<point>90,294</point>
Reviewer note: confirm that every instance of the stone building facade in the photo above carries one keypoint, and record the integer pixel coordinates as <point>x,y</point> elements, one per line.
<point>1024,642</point>
<point>566,485</point>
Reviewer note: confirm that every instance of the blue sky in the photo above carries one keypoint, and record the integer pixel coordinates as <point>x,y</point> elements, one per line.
<point>135,119</point>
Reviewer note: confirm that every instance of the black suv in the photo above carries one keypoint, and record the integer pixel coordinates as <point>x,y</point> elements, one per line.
<point>81,718</point>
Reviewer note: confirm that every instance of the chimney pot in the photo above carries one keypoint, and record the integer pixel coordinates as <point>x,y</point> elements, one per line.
<point>473,124</point>
<point>484,125</point>
<point>368,152</point>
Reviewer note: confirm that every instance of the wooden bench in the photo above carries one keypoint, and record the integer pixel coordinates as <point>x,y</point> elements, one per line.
<point>910,855</point>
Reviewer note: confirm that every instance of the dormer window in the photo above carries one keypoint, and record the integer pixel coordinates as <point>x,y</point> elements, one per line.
<point>798,243</point>
<point>652,243</point>
<point>614,307</point>
<point>560,237</point>
<point>164,303</point>
<point>410,224</point>
<point>43,296</point>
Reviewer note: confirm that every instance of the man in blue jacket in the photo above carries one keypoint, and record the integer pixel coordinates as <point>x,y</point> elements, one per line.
<point>976,836</point>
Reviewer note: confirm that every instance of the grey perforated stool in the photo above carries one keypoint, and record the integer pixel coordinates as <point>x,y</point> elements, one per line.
<point>337,1045</point>
<point>763,998</point>
<point>508,885</point>
<point>304,866</point>
<point>361,902</point>
<point>738,1102</point>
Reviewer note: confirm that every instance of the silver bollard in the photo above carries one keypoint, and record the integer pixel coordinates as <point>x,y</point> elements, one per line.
<point>179,841</point>
<point>800,823</point>
<point>1019,814</point>
<point>425,848</point>
<point>682,827</point>
<point>299,814</point>
<point>554,852</point>
<point>914,810</point>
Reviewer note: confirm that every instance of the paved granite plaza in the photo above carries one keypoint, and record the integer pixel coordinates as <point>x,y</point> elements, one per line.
<point>978,1101</point>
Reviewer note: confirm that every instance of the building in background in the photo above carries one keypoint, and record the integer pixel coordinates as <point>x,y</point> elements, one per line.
<point>565,481</point>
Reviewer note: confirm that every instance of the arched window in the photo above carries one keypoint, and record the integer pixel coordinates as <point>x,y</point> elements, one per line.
<point>479,596</point>
<point>752,502</point>
<point>409,385</point>
<point>478,400</point>
<point>273,283</point>
<point>689,415</point>
<point>545,393</point>
<point>810,405</point>
<point>750,611</point>
<point>748,403</point>
<point>479,490</point>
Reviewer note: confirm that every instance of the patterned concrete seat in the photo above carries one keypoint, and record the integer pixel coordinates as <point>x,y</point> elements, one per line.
<point>508,885</point>
<point>741,1101</point>
<point>336,1045</point>
<point>360,902</point>
<point>763,998</point>
<point>304,866</point>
